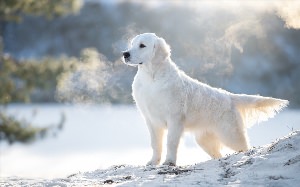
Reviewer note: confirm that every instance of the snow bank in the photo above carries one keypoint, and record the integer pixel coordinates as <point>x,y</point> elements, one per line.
<point>275,164</point>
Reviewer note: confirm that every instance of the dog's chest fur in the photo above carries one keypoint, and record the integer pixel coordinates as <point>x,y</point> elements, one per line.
<point>152,96</point>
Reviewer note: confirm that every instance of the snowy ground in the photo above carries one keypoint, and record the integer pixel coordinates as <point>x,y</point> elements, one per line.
<point>98,137</point>
<point>275,164</point>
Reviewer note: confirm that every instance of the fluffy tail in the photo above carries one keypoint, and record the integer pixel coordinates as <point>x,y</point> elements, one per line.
<point>255,109</point>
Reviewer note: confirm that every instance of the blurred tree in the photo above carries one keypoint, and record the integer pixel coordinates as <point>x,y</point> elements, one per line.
<point>13,10</point>
<point>13,130</point>
<point>18,79</point>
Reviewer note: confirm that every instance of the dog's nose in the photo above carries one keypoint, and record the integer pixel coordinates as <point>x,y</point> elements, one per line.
<point>126,54</point>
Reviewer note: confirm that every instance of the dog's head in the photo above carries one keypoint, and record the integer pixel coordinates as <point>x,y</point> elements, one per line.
<point>146,48</point>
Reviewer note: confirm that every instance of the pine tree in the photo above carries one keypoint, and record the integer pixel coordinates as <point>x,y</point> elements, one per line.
<point>18,78</point>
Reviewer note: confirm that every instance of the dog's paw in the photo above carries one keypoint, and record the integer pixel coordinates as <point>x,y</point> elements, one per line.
<point>169,163</point>
<point>153,162</point>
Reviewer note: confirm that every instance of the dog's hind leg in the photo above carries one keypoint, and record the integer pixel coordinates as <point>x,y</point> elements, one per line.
<point>209,143</point>
<point>236,140</point>
<point>232,132</point>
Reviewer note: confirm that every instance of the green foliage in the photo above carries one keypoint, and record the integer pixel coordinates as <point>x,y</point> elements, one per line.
<point>14,9</point>
<point>19,79</point>
<point>13,130</point>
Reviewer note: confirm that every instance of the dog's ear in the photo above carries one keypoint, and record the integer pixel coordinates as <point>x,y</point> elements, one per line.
<point>162,49</point>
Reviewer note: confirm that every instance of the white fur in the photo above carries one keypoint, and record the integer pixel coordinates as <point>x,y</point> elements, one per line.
<point>169,99</point>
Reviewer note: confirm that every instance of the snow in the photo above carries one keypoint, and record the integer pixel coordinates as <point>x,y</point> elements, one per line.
<point>275,164</point>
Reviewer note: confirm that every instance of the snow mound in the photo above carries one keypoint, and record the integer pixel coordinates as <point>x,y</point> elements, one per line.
<point>275,164</point>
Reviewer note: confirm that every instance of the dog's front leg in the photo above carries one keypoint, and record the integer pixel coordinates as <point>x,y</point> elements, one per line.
<point>174,133</point>
<point>156,134</point>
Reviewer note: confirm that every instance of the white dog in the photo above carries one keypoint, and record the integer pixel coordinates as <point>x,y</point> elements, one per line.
<point>169,99</point>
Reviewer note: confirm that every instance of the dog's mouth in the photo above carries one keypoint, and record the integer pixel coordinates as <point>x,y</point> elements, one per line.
<point>126,60</point>
<point>128,63</point>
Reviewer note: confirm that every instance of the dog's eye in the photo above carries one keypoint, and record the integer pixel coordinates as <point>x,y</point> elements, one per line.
<point>142,46</point>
